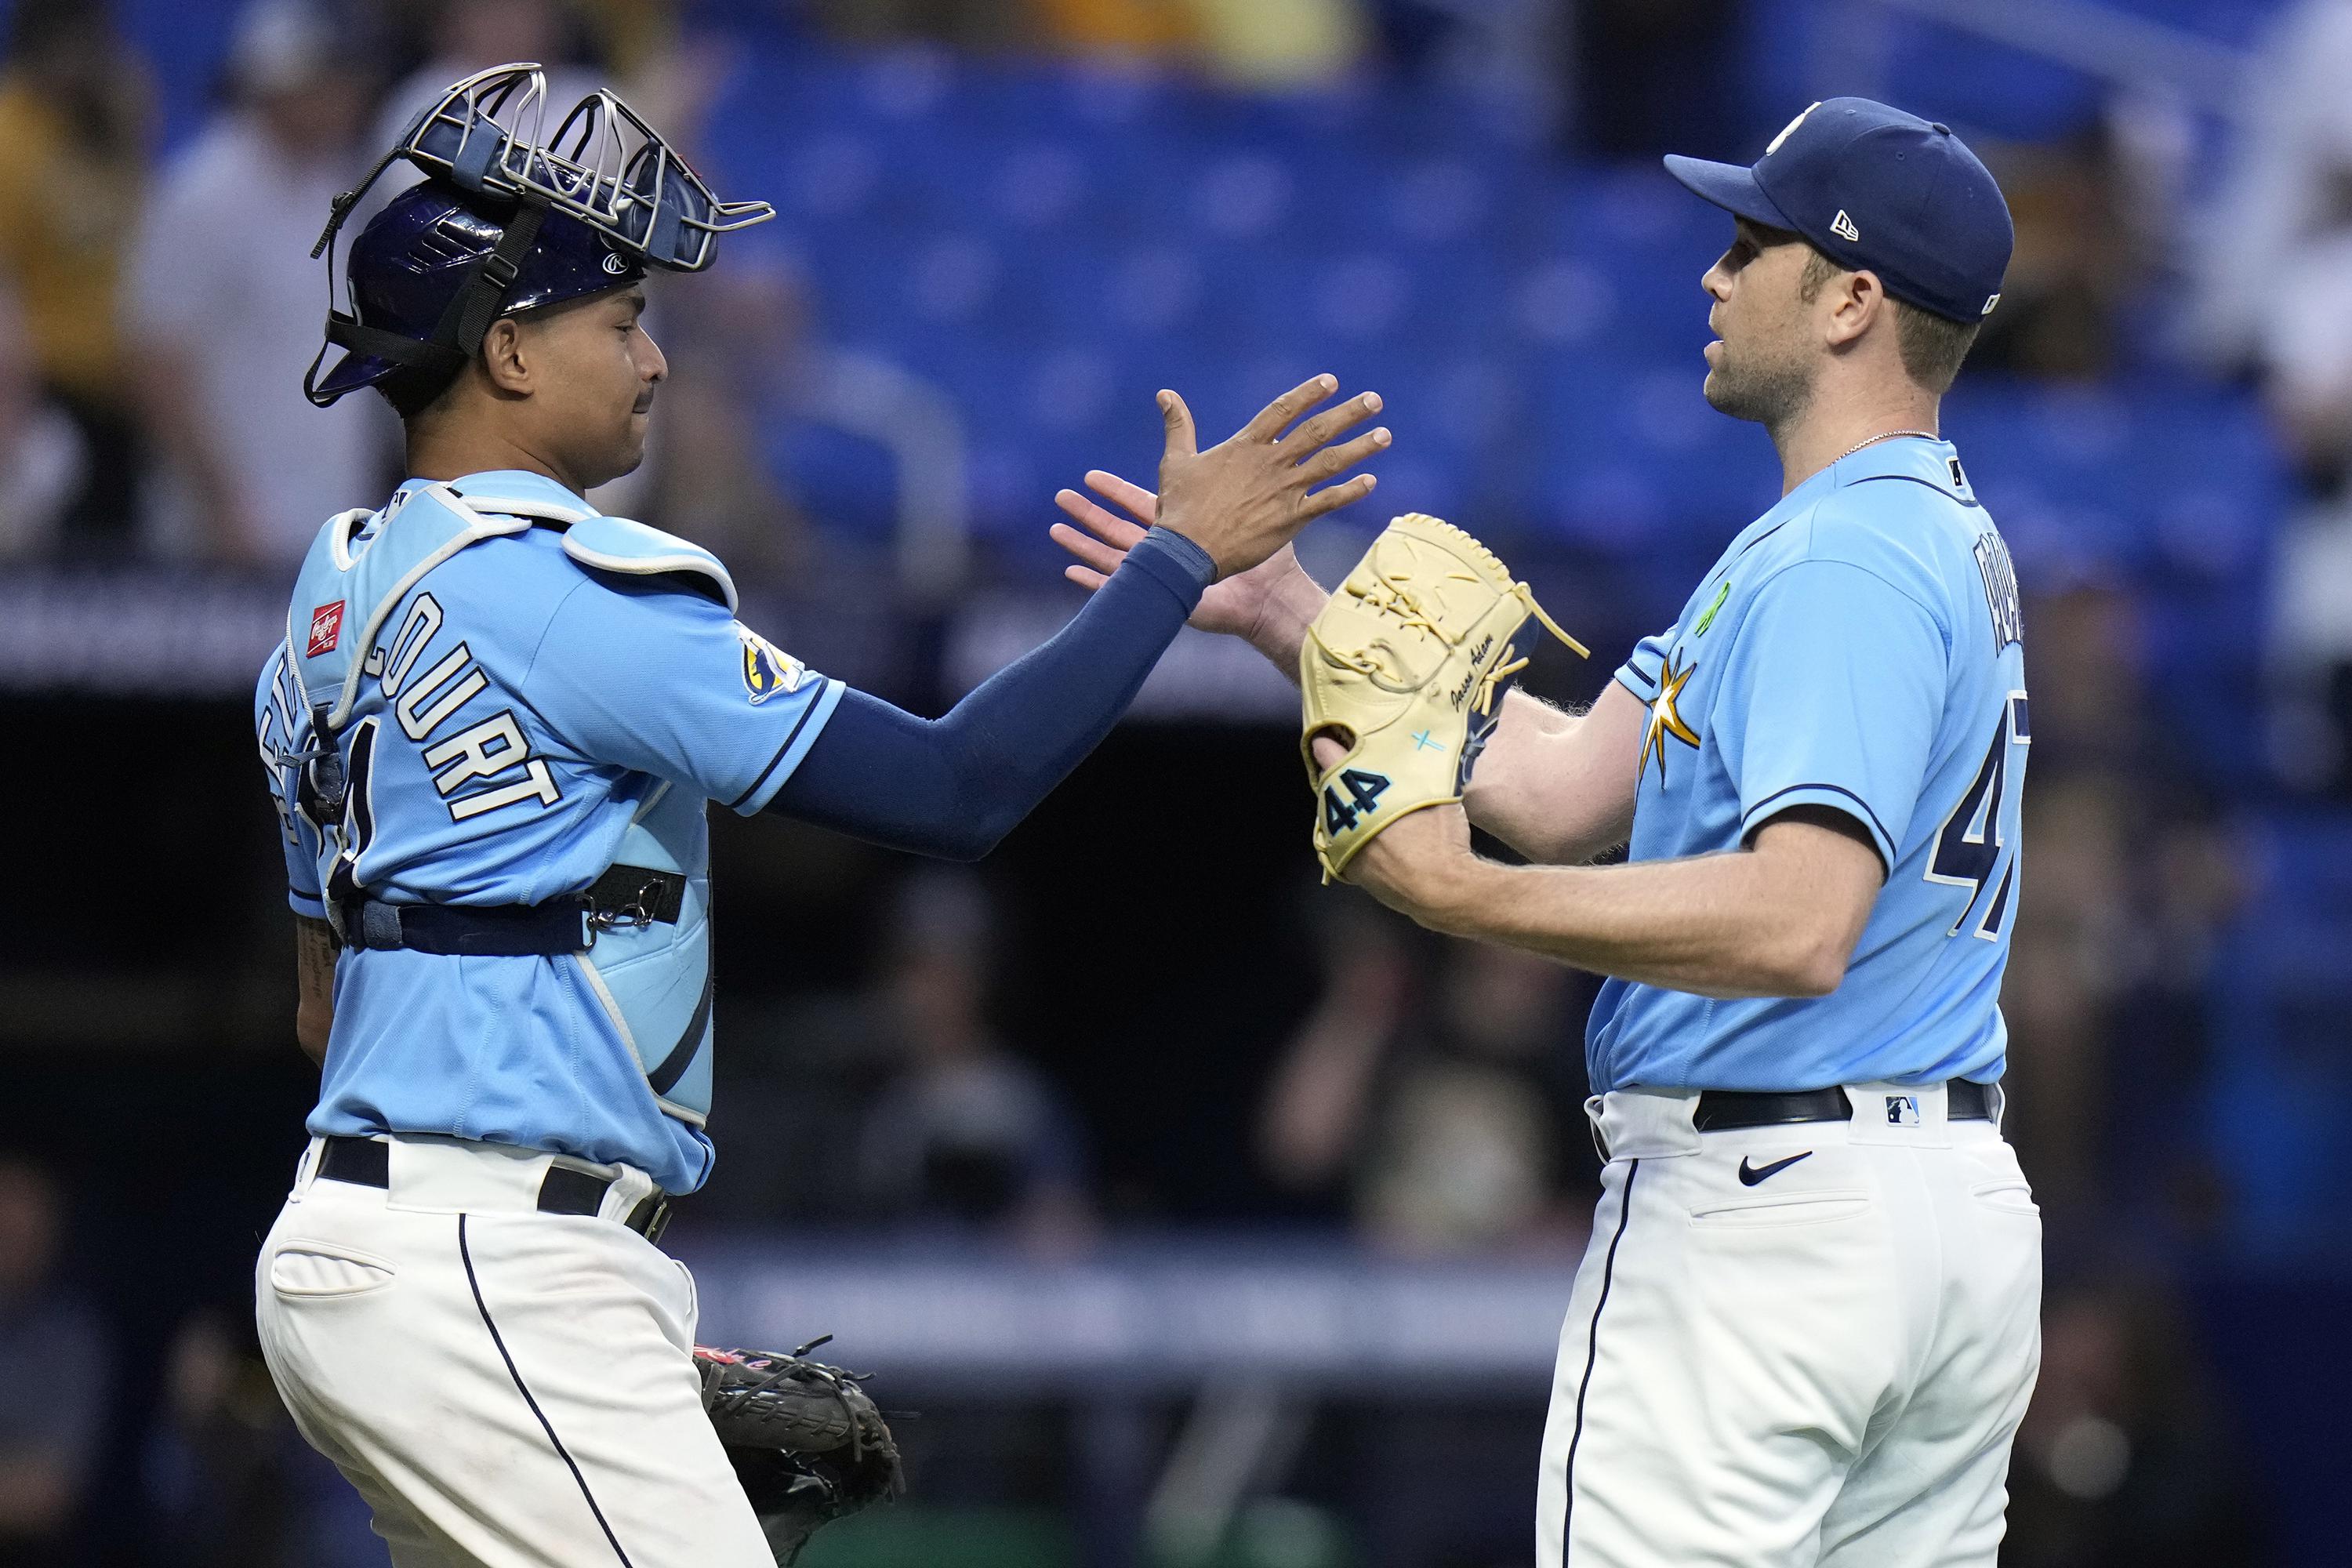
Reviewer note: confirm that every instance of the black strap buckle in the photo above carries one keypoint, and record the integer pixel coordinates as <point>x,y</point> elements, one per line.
<point>630,897</point>
<point>632,913</point>
<point>500,270</point>
<point>320,781</point>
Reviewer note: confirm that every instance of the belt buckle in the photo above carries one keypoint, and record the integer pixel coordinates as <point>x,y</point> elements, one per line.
<point>656,1208</point>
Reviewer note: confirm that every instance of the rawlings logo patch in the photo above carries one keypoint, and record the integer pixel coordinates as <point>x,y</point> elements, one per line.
<point>326,628</point>
<point>767,668</point>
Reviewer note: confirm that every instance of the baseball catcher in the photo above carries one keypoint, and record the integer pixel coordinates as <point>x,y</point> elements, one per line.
<point>492,736</point>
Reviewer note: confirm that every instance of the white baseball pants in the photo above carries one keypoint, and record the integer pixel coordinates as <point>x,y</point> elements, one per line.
<point>1820,1365</point>
<point>506,1388</point>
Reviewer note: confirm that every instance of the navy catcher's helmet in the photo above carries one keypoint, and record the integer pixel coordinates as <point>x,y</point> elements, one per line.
<point>417,259</point>
<point>508,219</point>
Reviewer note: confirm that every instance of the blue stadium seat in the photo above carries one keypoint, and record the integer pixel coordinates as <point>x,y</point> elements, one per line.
<point>2282,1081</point>
<point>1045,222</point>
<point>1623,453</point>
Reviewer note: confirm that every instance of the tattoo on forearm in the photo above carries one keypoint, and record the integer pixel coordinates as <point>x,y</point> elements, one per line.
<point>315,948</point>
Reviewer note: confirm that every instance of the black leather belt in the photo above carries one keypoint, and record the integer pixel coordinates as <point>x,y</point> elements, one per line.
<point>1721,1110</point>
<point>625,896</point>
<point>366,1162</point>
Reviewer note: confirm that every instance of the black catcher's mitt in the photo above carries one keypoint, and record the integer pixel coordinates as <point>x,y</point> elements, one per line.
<point>807,1441</point>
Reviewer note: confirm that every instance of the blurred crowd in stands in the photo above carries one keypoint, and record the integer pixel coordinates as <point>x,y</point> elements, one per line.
<point>158,305</point>
<point>155,319</point>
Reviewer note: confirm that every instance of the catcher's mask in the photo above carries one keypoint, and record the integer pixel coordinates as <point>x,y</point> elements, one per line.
<point>509,218</point>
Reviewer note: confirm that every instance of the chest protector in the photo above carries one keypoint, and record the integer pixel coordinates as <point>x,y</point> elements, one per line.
<point>640,932</point>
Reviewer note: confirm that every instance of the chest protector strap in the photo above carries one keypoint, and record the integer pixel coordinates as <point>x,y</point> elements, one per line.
<point>624,898</point>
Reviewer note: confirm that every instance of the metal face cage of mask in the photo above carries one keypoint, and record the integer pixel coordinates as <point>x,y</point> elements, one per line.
<point>603,165</point>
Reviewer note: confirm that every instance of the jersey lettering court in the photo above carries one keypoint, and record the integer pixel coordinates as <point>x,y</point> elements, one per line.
<point>1857,648</point>
<point>534,693</point>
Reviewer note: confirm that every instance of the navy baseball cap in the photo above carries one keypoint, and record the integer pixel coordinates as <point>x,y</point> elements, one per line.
<point>1872,187</point>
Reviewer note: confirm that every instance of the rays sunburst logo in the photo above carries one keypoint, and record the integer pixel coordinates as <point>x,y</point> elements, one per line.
<point>1666,718</point>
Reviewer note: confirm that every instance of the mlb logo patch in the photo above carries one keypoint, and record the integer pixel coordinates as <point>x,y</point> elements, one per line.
<point>326,628</point>
<point>1903,1110</point>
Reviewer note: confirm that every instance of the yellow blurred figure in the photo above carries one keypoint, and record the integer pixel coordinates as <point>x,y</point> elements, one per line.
<point>1119,26</point>
<point>1245,42</point>
<point>73,129</point>
<point>1252,43</point>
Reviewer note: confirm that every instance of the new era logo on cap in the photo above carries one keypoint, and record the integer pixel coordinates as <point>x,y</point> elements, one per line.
<point>1939,235</point>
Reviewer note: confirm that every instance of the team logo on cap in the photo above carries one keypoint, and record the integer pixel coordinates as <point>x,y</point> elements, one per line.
<point>1843,226</point>
<point>616,263</point>
<point>767,668</point>
<point>1774,145</point>
<point>1991,300</point>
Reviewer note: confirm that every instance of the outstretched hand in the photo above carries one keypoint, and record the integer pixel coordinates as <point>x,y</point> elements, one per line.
<point>1247,497</point>
<point>1236,605</point>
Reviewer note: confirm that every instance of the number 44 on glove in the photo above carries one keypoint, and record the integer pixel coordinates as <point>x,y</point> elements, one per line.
<point>1403,667</point>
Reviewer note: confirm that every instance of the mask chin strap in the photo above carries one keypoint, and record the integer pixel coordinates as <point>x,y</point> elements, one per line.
<point>456,337</point>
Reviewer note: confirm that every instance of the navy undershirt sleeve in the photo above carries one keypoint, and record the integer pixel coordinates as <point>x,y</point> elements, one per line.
<point>952,787</point>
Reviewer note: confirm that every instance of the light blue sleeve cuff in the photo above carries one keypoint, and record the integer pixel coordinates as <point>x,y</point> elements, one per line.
<point>752,802</point>
<point>1836,798</point>
<point>305,904</point>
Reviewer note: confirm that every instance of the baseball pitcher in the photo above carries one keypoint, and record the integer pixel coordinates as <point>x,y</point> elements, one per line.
<point>491,732</point>
<point>1806,1326</point>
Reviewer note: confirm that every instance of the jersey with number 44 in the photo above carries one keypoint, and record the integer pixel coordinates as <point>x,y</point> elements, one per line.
<point>1857,649</point>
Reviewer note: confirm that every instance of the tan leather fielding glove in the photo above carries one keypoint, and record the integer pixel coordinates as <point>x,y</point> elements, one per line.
<point>1403,667</point>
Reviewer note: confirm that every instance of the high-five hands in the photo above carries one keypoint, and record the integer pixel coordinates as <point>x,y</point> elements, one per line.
<point>1239,605</point>
<point>1245,498</point>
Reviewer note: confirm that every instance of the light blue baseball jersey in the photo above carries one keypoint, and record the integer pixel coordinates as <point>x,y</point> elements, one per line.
<point>556,692</point>
<point>1857,647</point>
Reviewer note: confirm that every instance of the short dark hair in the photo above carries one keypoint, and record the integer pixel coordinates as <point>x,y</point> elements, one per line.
<point>1933,346</point>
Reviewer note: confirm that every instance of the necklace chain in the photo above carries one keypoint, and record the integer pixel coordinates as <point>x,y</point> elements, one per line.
<point>1889,436</point>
